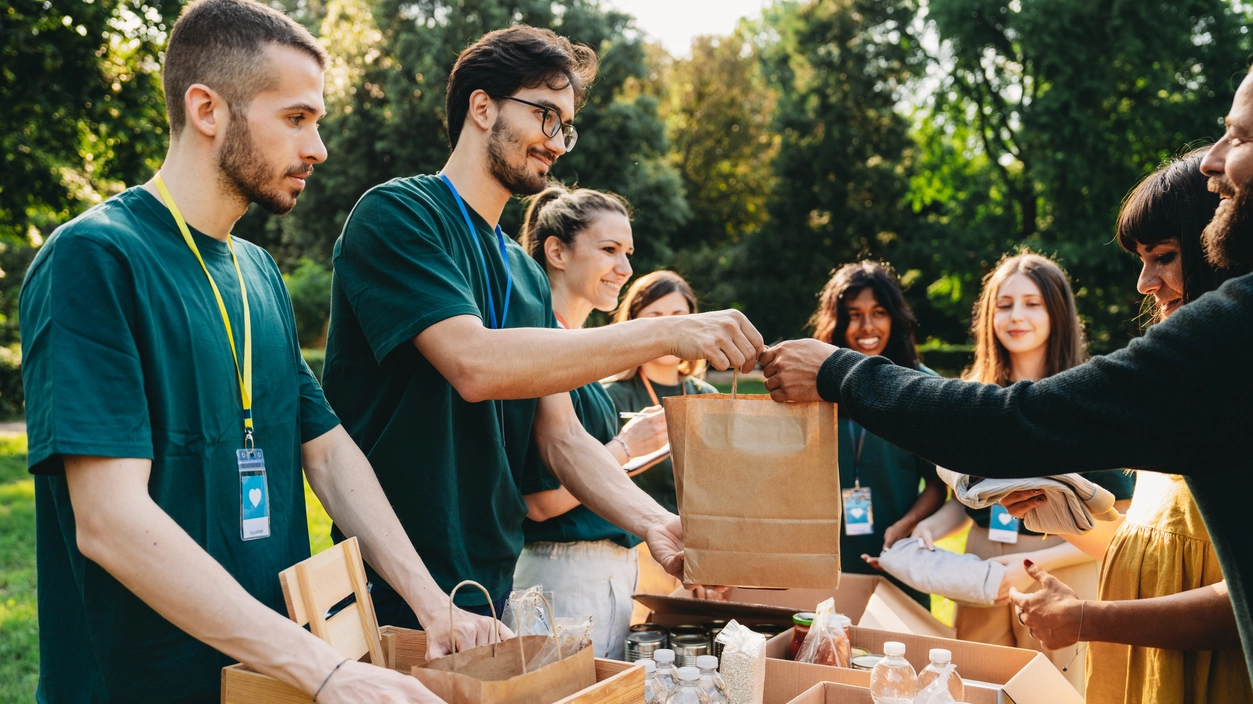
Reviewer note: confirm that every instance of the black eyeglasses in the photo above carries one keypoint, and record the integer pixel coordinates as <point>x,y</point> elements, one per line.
<point>550,123</point>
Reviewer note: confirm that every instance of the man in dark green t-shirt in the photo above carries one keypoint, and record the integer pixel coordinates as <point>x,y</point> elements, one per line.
<point>443,357</point>
<point>1176,400</point>
<point>156,349</point>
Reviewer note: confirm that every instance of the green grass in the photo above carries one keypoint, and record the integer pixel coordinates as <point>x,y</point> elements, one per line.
<point>745,386</point>
<point>19,628</point>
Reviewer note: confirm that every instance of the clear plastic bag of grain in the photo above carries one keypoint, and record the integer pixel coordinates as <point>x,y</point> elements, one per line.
<point>743,664</point>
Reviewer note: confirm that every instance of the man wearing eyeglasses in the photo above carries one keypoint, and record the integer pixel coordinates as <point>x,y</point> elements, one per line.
<point>443,358</point>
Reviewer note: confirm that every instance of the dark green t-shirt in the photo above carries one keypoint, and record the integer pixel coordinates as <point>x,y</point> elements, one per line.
<point>630,396</point>
<point>596,411</point>
<point>894,477</point>
<point>1119,483</point>
<point>404,262</point>
<point>125,355</point>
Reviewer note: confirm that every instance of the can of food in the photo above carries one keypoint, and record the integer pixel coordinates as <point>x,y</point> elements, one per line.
<point>689,629</point>
<point>642,644</point>
<point>859,652</point>
<point>769,630</point>
<point>866,662</point>
<point>687,648</point>
<point>653,628</point>
<point>714,627</point>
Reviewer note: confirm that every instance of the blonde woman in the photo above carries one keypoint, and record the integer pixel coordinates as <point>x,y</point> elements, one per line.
<point>1025,328</point>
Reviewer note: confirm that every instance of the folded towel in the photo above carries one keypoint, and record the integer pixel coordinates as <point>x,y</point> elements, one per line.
<point>963,578</point>
<point>1073,502</point>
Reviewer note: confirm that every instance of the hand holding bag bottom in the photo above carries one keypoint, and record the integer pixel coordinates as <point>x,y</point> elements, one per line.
<point>502,672</point>
<point>759,490</point>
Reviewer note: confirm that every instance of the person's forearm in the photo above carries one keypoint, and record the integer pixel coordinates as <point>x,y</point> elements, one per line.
<point>346,485</point>
<point>951,518</point>
<point>1197,619</point>
<point>543,505</point>
<point>147,552</point>
<point>589,472</point>
<point>515,363</point>
<point>927,503</point>
<point>1058,557</point>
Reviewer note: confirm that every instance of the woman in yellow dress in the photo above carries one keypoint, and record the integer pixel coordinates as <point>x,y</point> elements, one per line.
<point>1163,630</point>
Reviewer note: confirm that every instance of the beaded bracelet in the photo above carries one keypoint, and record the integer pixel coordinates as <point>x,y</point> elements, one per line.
<point>625,449</point>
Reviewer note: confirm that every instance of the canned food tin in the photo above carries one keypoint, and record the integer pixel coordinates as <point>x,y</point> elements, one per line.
<point>687,648</point>
<point>858,652</point>
<point>642,644</point>
<point>714,627</point>
<point>690,630</point>
<point>866,662</point>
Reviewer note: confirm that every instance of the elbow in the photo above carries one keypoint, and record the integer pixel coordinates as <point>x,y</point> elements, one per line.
<point>536,510</point>
<point>90,535</point>
<point>471,382</point>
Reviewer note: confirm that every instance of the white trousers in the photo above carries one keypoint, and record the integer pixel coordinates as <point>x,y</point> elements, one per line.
<point>585,578</point>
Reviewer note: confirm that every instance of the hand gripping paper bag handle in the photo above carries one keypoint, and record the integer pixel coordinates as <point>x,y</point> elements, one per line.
<point>758,488</point>
<point>500,673</point>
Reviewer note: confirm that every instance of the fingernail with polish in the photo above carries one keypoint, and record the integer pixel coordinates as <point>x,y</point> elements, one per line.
<point>1028,563</point>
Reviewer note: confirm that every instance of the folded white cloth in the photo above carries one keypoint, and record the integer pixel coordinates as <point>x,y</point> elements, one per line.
<point>964,578</point>
<point>1074,503</point>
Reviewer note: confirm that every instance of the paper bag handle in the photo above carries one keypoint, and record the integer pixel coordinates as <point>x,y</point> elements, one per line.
<point>735,381</point>
<point>521,643</point>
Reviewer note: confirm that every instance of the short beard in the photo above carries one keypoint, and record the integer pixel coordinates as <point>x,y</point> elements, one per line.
<point>244,170</point>
<point>519,180</point>
<point>1228,239</point>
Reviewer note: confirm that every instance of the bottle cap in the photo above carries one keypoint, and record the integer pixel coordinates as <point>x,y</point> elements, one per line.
<point>707,662</point>
<point>689,674</point>
<point>804,618</point>
<point>941,655</point>
<point>649,666</point>
<point>889,648</point>
<point>663,655</point>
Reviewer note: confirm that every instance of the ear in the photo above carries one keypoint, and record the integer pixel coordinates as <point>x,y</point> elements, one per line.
<point>206,110</point>
<point>482,112</point>
<point>555,253</point>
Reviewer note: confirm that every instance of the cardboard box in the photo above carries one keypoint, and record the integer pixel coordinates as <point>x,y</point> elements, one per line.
<point>833,693</point>
<point>993,674</point>
<point>869,600</point>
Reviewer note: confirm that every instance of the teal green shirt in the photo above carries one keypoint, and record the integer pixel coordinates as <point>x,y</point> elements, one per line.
<point>451,469</point>
<point>125,355</point>
<point>596,411</point>
<point>630,396</point>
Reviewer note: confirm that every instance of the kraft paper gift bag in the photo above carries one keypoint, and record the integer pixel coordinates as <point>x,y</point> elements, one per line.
<point>507,672</point>
<point>758,486</point>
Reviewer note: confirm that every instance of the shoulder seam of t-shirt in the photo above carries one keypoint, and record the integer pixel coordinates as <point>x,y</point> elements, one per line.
<point>390,189</point>
<point>419,325</point>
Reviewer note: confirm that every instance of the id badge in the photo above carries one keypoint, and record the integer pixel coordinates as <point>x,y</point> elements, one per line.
<point>858,511</point>
<point>1002,528</point>
<point>254,495</point>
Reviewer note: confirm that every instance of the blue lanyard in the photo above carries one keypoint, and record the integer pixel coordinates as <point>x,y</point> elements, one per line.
<point>487,278</point>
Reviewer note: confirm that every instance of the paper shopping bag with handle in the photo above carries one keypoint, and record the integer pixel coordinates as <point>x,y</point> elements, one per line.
<point>759,490</point>
<point>508,671</point>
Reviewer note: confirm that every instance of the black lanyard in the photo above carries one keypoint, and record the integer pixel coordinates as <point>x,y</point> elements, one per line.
<point>858,444</point>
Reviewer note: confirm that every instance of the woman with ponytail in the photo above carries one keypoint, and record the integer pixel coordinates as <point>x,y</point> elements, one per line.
<point>582,239</point>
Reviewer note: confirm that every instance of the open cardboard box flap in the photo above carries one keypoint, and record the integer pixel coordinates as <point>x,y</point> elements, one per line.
<point>1025,676</point>
<point>869,600</point>
<point>834,693</point>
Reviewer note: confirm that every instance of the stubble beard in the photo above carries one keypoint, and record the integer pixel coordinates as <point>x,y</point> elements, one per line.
<point>519,180</point>
<point>244,170</point>
<point>1228,239</point>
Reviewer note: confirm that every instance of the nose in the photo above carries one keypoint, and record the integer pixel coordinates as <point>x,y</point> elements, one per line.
<point>1149,281</point>
<point>1215,161</point>
<point>556,145</point>
<point>623,266</point>
<point>314,151</point>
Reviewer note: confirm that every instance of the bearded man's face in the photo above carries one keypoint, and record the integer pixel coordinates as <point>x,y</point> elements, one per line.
<point>1228,239</point>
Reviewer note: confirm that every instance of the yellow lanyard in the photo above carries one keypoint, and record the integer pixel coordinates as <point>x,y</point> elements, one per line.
<point>244,377</point>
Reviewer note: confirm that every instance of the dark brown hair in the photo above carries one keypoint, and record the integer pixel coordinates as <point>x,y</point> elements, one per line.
<point>830,321</point>
<point>562,213</point>
<point>1066,345</point>
<point>507,60</point>
<point>1174,202</point>
<point>648,289</point>
<point>219,43</point>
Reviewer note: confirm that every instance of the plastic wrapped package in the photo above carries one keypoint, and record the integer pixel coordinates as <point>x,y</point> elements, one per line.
<point>743,664</point>
<point>827,642</point>
<point>574,634</point>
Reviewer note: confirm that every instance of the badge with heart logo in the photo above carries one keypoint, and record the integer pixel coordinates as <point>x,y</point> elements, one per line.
<point>254,495</point>
<point>1005,519</point>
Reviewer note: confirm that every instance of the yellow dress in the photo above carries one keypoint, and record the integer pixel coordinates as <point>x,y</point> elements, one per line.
<point>1162,549</point>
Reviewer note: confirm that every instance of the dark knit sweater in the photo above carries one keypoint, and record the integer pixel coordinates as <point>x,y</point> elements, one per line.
<point>1178,400</point>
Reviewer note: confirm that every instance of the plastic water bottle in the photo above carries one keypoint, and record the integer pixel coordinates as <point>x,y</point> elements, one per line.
<point>941,660</point>
<point>689,691</point>
<point>893,681</point>
<point>667,675</point>
<point>654,692</point>
<point>710,681</point>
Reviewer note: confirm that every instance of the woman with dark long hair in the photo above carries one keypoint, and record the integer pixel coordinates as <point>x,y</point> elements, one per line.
<point>1161,550</point>
<point>862,308</point>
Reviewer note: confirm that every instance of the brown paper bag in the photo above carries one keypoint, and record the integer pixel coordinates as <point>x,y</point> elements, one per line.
<point>758,485</point>
<point>504,672</point>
